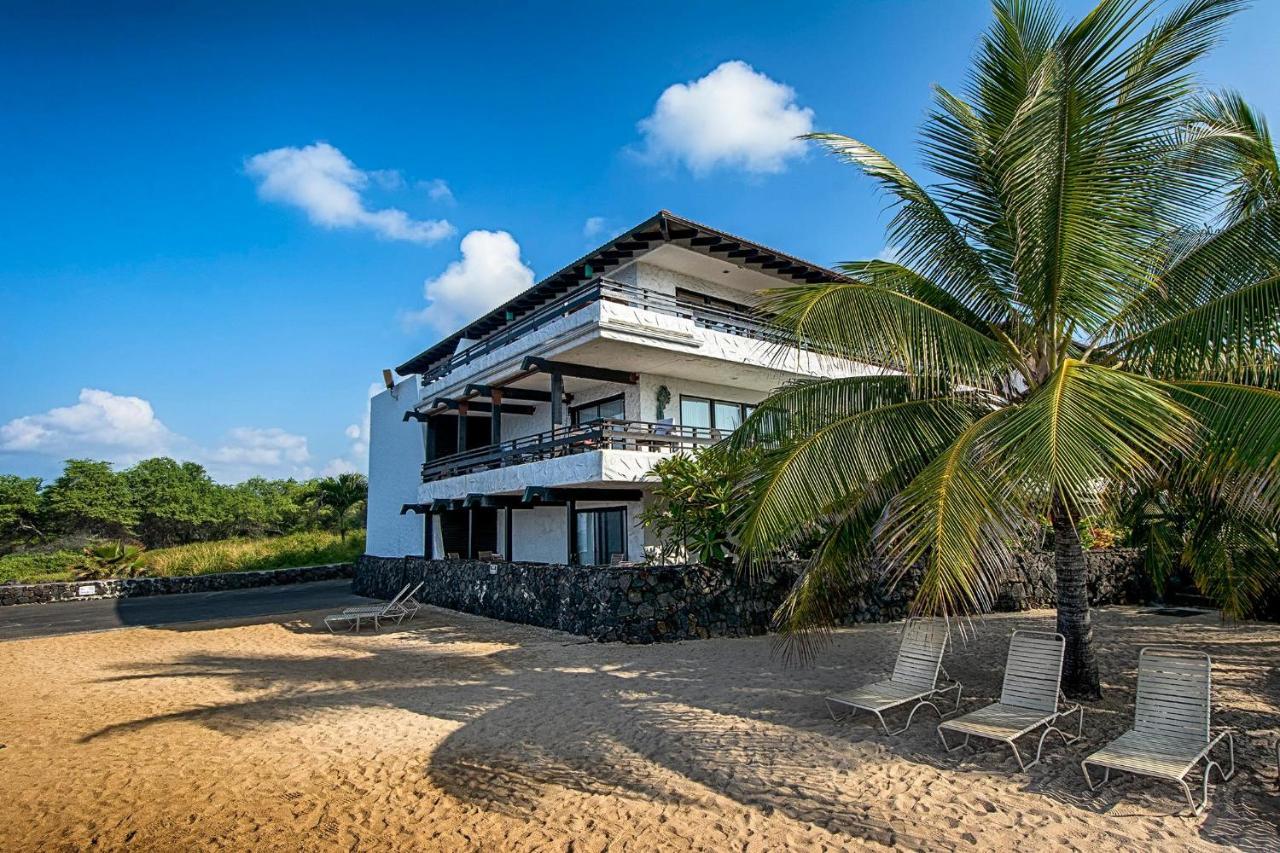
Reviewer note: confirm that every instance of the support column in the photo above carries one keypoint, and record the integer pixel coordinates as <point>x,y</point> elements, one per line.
<point>431,452</point>
<point>557,399</point>
<point>572,537</point>
<point>462,428</point>
<point>507,537</point>
<point>428,535</point>
<point>471,533</point>
<point>495,419</point>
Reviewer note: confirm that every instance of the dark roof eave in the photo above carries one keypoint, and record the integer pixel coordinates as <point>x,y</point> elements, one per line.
<point>663,221</point>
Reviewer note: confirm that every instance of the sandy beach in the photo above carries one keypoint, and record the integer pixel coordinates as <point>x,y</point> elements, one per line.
<point>462,733</point>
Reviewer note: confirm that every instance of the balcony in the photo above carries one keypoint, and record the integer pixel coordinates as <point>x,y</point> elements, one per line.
<point>605,434</point>
<point>740,323</point>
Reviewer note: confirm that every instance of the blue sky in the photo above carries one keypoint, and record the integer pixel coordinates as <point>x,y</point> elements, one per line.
<point>236,310</point>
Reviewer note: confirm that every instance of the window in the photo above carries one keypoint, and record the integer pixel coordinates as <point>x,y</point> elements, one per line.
<point>600,534</point>
<point>609,407</point>
<point>714,414</point>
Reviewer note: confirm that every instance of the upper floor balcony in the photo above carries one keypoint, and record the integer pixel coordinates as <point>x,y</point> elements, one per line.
<point>702,311</point>
<point>602,434</point>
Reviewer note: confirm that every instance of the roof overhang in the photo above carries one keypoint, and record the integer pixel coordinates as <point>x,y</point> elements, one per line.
<point>660,229</point>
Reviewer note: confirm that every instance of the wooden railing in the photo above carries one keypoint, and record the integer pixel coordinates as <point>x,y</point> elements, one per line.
<point>604,434</point>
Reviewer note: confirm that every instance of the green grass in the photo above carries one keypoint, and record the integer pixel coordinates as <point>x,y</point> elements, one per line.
<point>201,558</point>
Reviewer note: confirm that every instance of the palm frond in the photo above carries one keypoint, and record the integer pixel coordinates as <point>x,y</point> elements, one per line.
<point>874,325</point>
<point>959,519</point>
<point>1228,145</point>
<point>1233,337</point>
<point>796,485</point>
<point>1240,455</point>
<point>925,239</point>
<point>1090,426</point>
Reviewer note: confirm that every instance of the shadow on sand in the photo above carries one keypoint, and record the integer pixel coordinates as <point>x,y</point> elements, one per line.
<point>690,714</point>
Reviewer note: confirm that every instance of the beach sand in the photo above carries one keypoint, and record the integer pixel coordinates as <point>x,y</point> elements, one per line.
<point>462,733</point>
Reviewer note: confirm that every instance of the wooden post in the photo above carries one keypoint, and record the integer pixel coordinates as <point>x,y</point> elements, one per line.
<point>557,399</point>
<point>431,439</point>
<point>462,427</point>
<point>428,535</point>
<point>507,536</point>
<point>495,419</point>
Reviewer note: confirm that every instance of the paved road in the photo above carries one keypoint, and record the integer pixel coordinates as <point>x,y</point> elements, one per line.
<point>245,606</point>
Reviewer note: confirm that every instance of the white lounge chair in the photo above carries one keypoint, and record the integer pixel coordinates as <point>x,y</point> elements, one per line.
<point>410,603</point>
<point>1028,700</point>
<point>374,613</point>
<point>1170,733</point>
<point>914,679</point>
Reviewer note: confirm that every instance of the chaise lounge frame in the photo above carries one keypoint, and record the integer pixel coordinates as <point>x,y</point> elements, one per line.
<point>914,679</point>
<point>375,613</point>
<point>1171,734</point>
<point>1030,698</point>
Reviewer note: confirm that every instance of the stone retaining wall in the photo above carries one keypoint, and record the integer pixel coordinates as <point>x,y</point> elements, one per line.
<point>43,593</point>
<point>662,603</point>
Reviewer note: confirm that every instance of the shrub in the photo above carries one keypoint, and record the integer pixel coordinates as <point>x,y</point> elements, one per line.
<point>243,555</point>
<point>110,560</point>
<point>39,568</point>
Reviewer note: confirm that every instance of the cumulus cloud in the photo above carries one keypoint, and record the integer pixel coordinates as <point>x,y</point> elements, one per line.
<point>437,190</point>
<point>262,448</point>
<point>593,227</point>
<point>100,421</point>
<point>357,458</point>
<point>123,430</point>
<point>735,116</point>
<point>489,273</point>
<point>320,180</point>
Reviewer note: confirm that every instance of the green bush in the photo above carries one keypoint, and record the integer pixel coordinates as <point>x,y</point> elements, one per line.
<point>39,568</point>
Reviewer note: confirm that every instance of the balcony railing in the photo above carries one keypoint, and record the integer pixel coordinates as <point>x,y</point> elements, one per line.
<point>604,434</point>
<point>741,323</point>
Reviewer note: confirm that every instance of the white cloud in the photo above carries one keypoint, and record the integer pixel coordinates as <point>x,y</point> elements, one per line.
<point>321,181</point>
<point>357,458</point>
<point>123,430</point>
<point>735,116</point>
<point>99,422</point>
<point>262,448</point>
<point>437,190</point>
<point>489,274</point>
<point>593,227</point>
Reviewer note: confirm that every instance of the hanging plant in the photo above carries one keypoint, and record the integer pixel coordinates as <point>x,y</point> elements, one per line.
<point>664,397</point>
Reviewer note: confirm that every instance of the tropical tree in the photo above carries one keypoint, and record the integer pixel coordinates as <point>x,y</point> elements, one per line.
<point>19,508</point>
<point>89,497</point>
<point>341,495</point>
<point>1086,304</point>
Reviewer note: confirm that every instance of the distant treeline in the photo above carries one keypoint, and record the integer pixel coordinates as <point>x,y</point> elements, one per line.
<point>162,502</point>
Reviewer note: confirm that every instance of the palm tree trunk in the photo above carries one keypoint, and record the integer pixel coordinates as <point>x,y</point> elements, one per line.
<point>1080,669</point>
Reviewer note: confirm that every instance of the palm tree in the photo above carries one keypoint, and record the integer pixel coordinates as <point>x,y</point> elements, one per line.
<point>1086,305</point>
<point>342,494</point>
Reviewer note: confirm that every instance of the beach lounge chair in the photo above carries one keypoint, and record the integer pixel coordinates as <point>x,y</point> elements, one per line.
<point>1170,733</point>
<point>1028,700</point>
<point>914,679</point>
<point>374,613</point>
<point>410,603</point>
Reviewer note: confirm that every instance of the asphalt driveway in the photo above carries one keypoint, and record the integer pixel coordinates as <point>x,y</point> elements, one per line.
<point>261,604</point>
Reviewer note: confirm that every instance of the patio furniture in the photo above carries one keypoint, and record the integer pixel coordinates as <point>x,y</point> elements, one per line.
<point>1170,733</point>
<point>374,613</point>
<point>410,603</point>
<point>914,679</point>
<point>1029,699</point>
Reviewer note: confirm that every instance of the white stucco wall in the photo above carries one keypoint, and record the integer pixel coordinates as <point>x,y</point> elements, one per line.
<point>396,454</point>
<point>541,534</point>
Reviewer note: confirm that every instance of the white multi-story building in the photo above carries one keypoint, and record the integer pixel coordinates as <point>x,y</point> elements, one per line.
<point>530,433</point>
